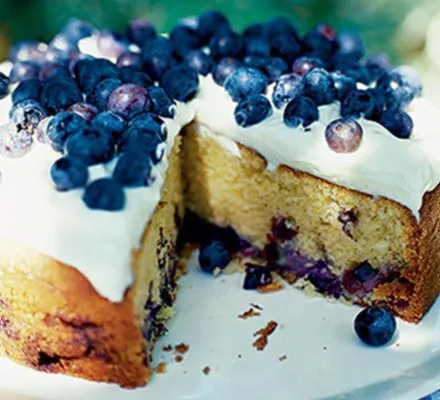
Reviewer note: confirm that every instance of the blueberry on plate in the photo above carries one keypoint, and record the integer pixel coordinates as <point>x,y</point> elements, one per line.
<point>139,31</point>
<point>300,111</point>
<point>225,44</point>
<point>4,85</point>
<point>209,23</point>
<point>59,95</point>
<point>180,83</point>
<point>358,103</point>
<point>252,110</point>
<point>129,100</point>
<point>84,110</point>
<point>199,61</point>
<point>343,84</point>
<point>23,70</point>
<point>286,88</point>
<point>69,173</point>
<point>398,122</point>
<point>111,123</point>
<point>375,326</point>
<point>26,115</point>
<point>319,86</point>
<point>224,68</point>
<point>91,146</point>
<point>61,126</point>
<point>344,135</point>
<point>212,255</point>
<point>102,92</point>
<point>245,81</point>
<point>256,276</point>
<point>161,103</point>
<point>104,194</point>
<point>133,170</point>
<point>302,65</point>
<point>27,90</point>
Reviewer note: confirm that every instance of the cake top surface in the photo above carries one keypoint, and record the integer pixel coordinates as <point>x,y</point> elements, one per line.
<point>89,120</point>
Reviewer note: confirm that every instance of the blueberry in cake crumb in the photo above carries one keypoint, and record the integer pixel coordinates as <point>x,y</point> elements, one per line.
<point>23,70</point>
<point>58,95</point>
<point>180,83</point>
<point>212,255</point>
<point>199,61</point>
<point>111,123</point>
<point>162,104</point>
<point>357,104</point>
<point>224,68</point>
<point>102,92</point>
<point>324,280</point>
<point>343,84</point>
<point>300,111</point>
<point>225,43</point>
<point>256,276</point>
<point>14,143</point>
<point>69,173</point>
<point>286,88</point>
<point>304,64</point>
<point>129,100</point>
<point>375,326</point>
<point>252,110</point>
<point>398,122</point>
<point>26,115</point>
<point>104,194</point>
<point>84,110</point>
<point>319,86</point>
<point>27,90</point>
<point>245,81</point>
<point>344,135</point>
<point>62,126</point>
<point>133,170</point>
<point>129,59</point>
<point>139,31</point>
<point>349,46</point>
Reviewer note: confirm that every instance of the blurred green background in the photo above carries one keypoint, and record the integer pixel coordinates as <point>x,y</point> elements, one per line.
<point>409,30</point>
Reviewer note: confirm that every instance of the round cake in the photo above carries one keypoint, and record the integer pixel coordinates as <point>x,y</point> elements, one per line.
<point>298,155</point>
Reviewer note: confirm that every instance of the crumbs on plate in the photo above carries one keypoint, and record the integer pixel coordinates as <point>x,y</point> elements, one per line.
<point>161,368</point>
<point>261,342</point>
<point>249,314</point>
<point>206,370</point>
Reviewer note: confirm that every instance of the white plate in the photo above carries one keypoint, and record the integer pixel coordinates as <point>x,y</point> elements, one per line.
<point>324,357</point>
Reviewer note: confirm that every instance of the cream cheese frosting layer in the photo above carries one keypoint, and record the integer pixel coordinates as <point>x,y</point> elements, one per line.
<point>399,169</point>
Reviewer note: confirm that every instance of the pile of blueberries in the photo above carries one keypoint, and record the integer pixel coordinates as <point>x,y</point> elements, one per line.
<point>94,111</point>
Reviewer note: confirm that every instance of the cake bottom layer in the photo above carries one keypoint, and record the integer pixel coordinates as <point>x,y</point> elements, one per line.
<point>53,320</point>
<point>320,236</point>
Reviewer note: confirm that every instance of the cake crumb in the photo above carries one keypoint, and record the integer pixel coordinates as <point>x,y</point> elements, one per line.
<point>249,314</point>
<point>239,355</point>
<point>274,286</point>
<point>206,370</point>
<point>161,368</point>
<point>261,342</point>
<point>282,358</point>
<point>217,271</point>
<point>178,358</point>
<point>181,348</point>
<point>167,347</point>
<point>325,348</point>
<point>258,307</point>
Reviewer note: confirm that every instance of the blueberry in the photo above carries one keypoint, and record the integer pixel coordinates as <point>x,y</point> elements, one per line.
<point>51,69</point>
<point>104,194</point>
<point>344,135</point>
<point>136,78</point>
<point>285,46</point>
<point>26,51</point>
<point>319,86</point>
<point>245,81</point>
<point>102,92</point>
<point>274,68</point>
<point>302,65</point>
<point>183,40</point>
<point>324,280</point>
<point>411,77</point>
<point>397,91</point>
<point>157,57</point>
<point>26,115</point>
<point>129,100</point>
<point>4,85</point>
<point>59,95</point>
<point>252,110</point>
<point>286,88</point>
<point>321,38</point>
<point>62,126</point>
<point>111,123</point>
<point>84,110</point>
<point>257,62</point>
<point>280,26</point>
<point>139,31</point>
<point>375,326</point>
<point>110,45</point>
<point>133,170</point>
<point>256,31</point>
<point>75,29</point>
<point>69,173</point>
<point>90,72</point>
<point>358,72</point>
<point>349,46</point>
<point>363,272</point>
<point>358,103</point>
<point>199,61</point>
<point>300,111</point>
<point>161,104</point>
<point>150,122</point>
<point>377,64</point>
<point>41,131</point>
<point>14,143</point>
<point>142,142</point>
<point>180,83</point>
<point>343,84</point>
<point>211,22</point>
<point>23,70</point>
<point>226,44</point>
<point>255,277</point>
<point>213,255</point>
<point>224,68</point>
<point>55,56</point>
<point>129,59</point>
<point>398,122</point>
<point>361,279</point>
<point>257,46</point>
<point>62,42</point>
<point>91,146</point>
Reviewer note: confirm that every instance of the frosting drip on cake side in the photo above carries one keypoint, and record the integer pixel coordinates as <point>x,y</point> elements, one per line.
<point>401,170</point>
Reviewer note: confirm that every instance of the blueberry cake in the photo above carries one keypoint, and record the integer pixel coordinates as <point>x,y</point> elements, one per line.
<point>297,154</point>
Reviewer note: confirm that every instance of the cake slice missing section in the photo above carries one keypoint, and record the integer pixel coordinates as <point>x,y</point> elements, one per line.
<point>339,242</point>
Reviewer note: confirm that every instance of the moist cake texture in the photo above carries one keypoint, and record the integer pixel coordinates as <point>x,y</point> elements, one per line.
<point>297,154</point>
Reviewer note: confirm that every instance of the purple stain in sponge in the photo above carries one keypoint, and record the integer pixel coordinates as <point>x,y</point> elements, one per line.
<point>283,229</point>
<point>348,219</point>
<point>324,280</point>
<point>362,279</point>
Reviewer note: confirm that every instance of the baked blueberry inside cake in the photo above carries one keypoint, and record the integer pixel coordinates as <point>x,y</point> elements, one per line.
<point>299,155</point>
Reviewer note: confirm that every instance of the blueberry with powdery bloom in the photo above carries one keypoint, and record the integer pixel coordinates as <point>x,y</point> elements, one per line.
<point>321,39</point>
<point>102,92</point>
<point>224,68</point>
<point>4,85</point>
<point>111,123</point>
<point>302,65</point>
<point>398,122</point>
<point>129,100</point>
<point>344,135</point>
<point>274,68</point>
<point>225,44</point>
<point>377,64</point>
<point>256,46</point>
<point>180,83</point>
<point>157,57</point>
<point>245,81</point>
<point>133,170</point>
<point>129,59</point>
<point>142,142</point>
<point>84,110</point>
<point>199,61</point>
<point>150,122</point>
<point>68,173</point>
<point>26,115</point>
<point>23,70</point>
<point>183,39</point>
<point>349,46</point>
<point>343,84</point>
<point>286,88</point>
<point>319,86</point>
<point>300,111</point>
<point>90,72</point>
<point>357,104</point>
<point>104,194</point>
<point>252,110</point>
<point>162,104</point>
<point>58,95</point>
<point>375,326</point>
<point>63,125</point>
<point>211,22</point>
<point>286,47</point>
<point>139,31</point>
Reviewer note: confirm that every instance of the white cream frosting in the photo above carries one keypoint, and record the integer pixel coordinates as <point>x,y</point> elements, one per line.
<point>99,243</point>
